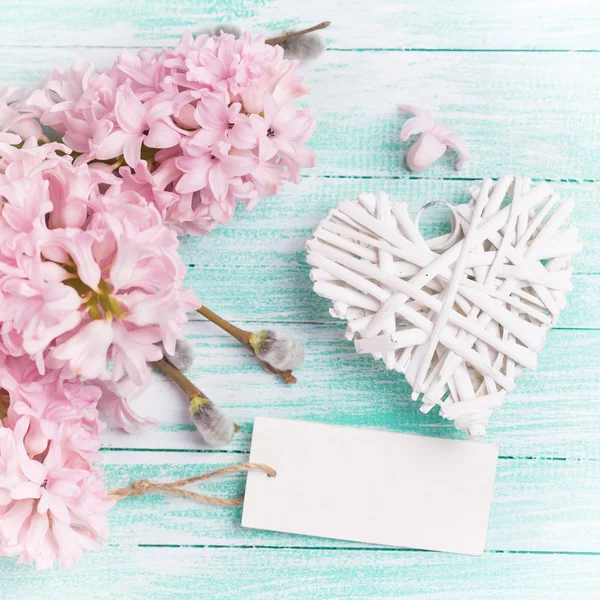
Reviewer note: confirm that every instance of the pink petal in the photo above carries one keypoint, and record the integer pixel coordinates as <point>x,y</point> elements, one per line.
<point>424,152</point>
<point>236,166</point>
<point>195,180</point>
<point>185,117</point>
<point>212,113</point>
<point>58,508</point>
<point>285,145</point>
<point>457,143</point>
<point>35,471</point>
<point>204,138</point>
<point>38,527</point>
<point>296,128</point>
<point>270,108</point>
<point>284,115</point>
<point>162,110</point>
<point>132,150</point>
<point>258,124</point>
<point>243,137</point>
<point>267,149</point>
<point>414,126</point>
<point>85,352</point>
<point>26,490</point>
<point>64,488</point>
<point>161,135</point>
<point>129,111</point>
<point>218,181</point>
<point>113,144</point>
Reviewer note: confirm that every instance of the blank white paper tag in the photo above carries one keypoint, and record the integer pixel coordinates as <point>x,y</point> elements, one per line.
<point>370,486</point>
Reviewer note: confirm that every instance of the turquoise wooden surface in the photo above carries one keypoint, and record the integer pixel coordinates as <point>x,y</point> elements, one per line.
<point>520,81</point>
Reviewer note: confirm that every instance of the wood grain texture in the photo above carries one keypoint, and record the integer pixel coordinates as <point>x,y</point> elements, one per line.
<point>411,24</point>
<point>286,294</point>
<point>286,574</point>
<point>274,233</point>
<point>532,500</point>
<point>552,412</point>
<point>271,240</point>
<point>531,113</point>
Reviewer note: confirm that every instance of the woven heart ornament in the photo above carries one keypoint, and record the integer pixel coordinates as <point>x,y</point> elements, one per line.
<point>462,314</point>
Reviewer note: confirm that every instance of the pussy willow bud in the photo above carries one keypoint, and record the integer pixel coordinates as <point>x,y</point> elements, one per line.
<point>215,427</point>
<point>223,27</point>
<point>278,350</point>
<point>183,358</point>
<point>306,47</point>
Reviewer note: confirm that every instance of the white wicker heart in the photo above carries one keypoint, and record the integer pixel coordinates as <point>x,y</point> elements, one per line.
<point>460,315</point>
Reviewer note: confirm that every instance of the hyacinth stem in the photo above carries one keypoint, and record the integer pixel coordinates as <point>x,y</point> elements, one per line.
<point>118,163</point>
<point>294,34</point>
<point>243,337</point>
<point>4,404</point>
<point>185,385</point>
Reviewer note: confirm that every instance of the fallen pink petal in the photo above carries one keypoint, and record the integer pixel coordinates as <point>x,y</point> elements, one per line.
<point>434,140</point>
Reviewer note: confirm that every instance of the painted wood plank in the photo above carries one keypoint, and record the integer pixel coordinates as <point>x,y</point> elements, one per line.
<point>552,412</point>
<point>532,113</point>
<point>285,295</point>
<point>538,505</point>
<point>275,232</point>
<point>412,24</point>
<point>268,242</point>
<point>226,573</point>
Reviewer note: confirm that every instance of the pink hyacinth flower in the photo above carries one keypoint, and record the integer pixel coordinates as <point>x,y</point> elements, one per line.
<point>212,168</point>
<point>16,117</point>
<point>202,126</point>
<point>138,124</point>
<point>52,507</point>
<point>48,400</point>
<point>434,140</point>
<point>90,275</point>
<point>115,405</point>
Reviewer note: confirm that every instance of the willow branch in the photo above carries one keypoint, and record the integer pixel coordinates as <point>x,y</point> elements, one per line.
<point>295,34</point>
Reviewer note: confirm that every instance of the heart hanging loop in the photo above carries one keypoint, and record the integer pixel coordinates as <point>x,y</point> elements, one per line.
<point>439,244</point>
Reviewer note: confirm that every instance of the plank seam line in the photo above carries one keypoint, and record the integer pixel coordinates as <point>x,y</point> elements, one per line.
<point>326,322</point>
<point>436,179</point>
<point>473,50</point>
<point>345,548</point>
<point>175,38</point>
<point>108,449</point>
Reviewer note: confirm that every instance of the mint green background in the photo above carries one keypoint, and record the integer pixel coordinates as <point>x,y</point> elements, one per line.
<point>520,81</point>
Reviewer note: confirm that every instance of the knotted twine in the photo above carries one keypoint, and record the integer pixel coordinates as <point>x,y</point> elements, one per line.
<point>142,487</point>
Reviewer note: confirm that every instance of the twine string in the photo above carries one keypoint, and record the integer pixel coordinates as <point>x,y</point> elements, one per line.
<point>141,487</point>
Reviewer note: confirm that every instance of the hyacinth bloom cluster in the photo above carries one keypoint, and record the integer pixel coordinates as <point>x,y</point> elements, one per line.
<point>53,503</point>
<point>87,277</point>
<point>52,507</point>
<point>193,129</point>
<point>90,282</point>
<point>99,173</point>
